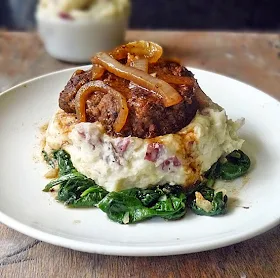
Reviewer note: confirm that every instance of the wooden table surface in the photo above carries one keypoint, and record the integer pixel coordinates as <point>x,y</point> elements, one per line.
<point>252,58</point>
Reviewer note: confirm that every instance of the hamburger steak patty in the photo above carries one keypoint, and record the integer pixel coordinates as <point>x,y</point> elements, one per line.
<point>148,117</point>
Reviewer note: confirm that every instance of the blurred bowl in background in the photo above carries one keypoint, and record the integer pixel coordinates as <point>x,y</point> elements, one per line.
<point>77,40</point>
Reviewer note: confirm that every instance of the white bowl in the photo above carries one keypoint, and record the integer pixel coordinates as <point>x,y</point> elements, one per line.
<point>78,40</point>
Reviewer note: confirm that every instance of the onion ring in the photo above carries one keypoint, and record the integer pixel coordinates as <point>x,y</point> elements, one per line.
<point>92,86</point>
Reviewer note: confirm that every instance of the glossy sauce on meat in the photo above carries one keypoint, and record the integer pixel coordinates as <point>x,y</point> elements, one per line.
<point>148,117</point>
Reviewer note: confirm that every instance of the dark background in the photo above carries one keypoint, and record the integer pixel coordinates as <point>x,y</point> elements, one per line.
<point>263,15</point>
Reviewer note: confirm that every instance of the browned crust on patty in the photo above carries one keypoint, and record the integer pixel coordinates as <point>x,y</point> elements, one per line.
<point>148,117</point>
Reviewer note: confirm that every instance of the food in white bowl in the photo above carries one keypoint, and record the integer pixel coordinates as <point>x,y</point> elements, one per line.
<point>137,137</point>
<point>72,30</point>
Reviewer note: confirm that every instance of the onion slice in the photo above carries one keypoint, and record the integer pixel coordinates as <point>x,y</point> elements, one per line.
<point>138,63</point>
<point>97,71</point>
<point>177,80</point>
<point>141,64</point>
<point>142,49</point>
<point>77,72</point>
<point>165,91</point>
<point>93,86</point>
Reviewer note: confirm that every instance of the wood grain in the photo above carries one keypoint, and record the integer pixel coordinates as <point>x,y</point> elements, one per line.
<point>252,58</point>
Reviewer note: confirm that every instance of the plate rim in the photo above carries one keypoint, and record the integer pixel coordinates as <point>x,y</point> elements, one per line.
<point>119,250</point>
<point>123,250</point>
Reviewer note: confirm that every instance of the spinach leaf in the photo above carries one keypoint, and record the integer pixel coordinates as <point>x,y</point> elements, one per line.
<point>237,164</point>
<point>149,197</point>
<point>67,172</point>
<point>75,189</point>
<point>61,180</point>
<point>49,159</point>
<point>134,205</point>
<point>89,198</point>
<point>123,208</point>
<point>218,201</point>
<point>207,193</point>
<point>65,164</point>
<point>171,208</point>
<point>130,206</point>
<point>211,175</point>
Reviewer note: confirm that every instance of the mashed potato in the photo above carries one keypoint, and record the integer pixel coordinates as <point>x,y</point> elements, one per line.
<point>127,162</point>
<point>83,9</point>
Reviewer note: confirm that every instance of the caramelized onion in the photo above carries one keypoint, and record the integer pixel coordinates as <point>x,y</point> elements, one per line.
<point>138,63</point>
<point>77,72</point>
<point>141,64</point>
<point>97,71</point>
<point>92,86</point>
<point>178,80</point>
<point>142,49</point>
<point>130,59</point>
<point>168,94</point>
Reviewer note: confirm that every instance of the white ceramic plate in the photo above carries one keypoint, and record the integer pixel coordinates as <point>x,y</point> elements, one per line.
<point>254,206</point>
